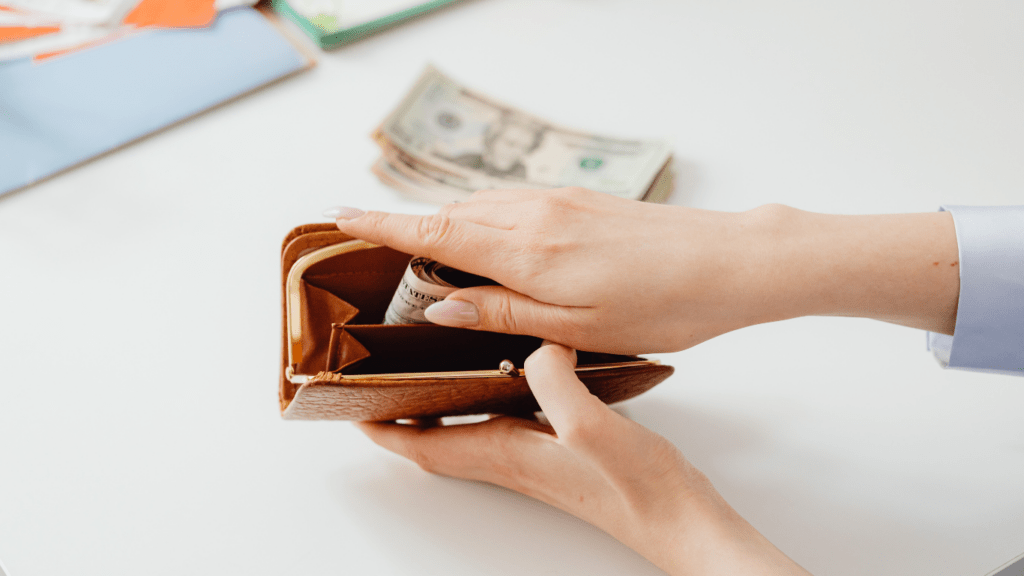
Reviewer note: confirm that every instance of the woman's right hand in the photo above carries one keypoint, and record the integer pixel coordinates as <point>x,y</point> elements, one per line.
<point>588,269</point>
<point>604,274</point>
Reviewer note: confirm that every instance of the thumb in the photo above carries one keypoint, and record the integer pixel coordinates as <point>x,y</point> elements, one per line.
<point>573,411</point>
<point>498,309</point>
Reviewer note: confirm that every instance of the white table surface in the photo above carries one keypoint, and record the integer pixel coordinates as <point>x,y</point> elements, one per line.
<point>139,320</point>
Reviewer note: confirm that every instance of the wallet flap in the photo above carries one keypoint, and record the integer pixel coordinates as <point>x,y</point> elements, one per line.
<point>321,310</point>
<point>344,350</point>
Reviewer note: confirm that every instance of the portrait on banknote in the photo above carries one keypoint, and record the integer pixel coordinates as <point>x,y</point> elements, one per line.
<point>506,143</point>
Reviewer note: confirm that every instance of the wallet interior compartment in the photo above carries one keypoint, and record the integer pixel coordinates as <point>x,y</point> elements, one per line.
<point>411,348</point>
<point>364,279</point>
<point>354,287</point>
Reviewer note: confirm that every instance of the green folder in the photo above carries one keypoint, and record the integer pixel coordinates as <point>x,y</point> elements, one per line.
<point>330,31</point>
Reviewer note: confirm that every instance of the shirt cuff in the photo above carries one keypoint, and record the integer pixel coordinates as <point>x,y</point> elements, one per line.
<point>989,333</point>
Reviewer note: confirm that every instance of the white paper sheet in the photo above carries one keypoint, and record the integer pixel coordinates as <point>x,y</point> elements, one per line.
<point>93,12</point>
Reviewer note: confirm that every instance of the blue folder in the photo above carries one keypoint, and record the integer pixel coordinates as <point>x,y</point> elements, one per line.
<point>58,113</point>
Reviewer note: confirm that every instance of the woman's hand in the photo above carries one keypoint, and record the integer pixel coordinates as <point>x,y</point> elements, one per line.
<point>597,465</point>
<point>588,269</point>
<point>605,274</point>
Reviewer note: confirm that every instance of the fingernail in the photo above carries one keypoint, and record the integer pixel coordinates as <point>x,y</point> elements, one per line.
<point>343,213</point>
<point>453,313</point>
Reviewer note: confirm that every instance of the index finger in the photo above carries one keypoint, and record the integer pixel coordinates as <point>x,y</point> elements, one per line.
<point>464,245</point>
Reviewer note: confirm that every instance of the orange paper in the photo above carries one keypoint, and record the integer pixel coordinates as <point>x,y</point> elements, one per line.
<point>15,33</point>
<point>172,13</point>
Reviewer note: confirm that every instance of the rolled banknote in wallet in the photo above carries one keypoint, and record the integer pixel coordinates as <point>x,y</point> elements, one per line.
<point>427,281</point>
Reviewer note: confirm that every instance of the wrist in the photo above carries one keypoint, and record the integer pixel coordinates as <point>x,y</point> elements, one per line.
<point>777,263</point>
<point>710,538</point>
<point>899,268</point>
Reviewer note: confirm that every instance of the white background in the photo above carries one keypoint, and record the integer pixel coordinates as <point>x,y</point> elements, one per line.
<point>139,318</point>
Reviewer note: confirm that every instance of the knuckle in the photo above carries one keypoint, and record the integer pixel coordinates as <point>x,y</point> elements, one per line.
<point>503,442</point>
<point>504,433</point>
<point>776,219</point>
<point>556,203</point>
<point>555,209</point>
<point>436,229</point>
<point>773,211</point>
<point>541,252</point>
<point>545,235</point>
<point>428,468</point>
<point>414,450</point>
<point>575,193</point>
<point>504,315</point>
<point>425,461</point>
<point>447,209</point>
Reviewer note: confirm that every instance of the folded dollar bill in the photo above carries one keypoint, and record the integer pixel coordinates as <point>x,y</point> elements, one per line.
<point>426,281</point>
<point>445,141</point>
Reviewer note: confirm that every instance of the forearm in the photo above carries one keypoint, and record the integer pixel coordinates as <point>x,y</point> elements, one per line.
<point>710,539</point>
<point>900,268</point>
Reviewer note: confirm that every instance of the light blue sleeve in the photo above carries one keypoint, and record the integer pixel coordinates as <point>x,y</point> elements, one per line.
<point>989,333</point>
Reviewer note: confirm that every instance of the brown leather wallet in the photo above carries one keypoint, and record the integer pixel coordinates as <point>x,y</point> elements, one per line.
<point>340,363</point>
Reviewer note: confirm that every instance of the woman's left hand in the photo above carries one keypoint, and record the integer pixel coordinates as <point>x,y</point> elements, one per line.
<point>599,466</point>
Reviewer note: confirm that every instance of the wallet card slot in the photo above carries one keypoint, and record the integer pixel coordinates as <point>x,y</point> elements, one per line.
<point>412,348</point>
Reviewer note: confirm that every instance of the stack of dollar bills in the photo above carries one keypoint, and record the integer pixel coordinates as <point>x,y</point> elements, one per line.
<point>444,142</point>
